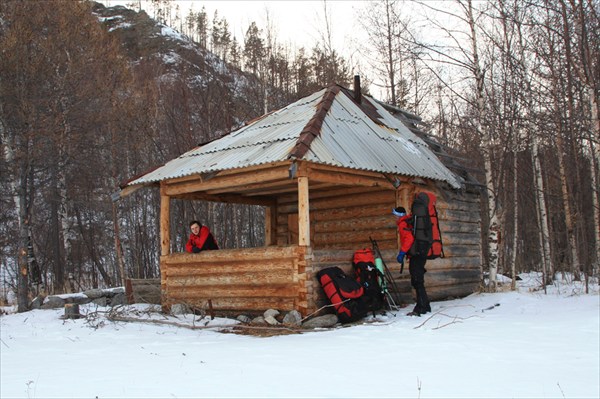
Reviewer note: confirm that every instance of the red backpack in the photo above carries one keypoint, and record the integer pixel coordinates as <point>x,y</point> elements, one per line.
<point>344,293</point>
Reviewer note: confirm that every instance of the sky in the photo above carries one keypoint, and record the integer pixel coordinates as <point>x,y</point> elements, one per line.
<point>297,22</point>
<point>523,344</point>
<point>302,24</point>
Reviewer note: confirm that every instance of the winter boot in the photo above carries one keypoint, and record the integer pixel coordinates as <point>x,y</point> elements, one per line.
<point>423,301</point>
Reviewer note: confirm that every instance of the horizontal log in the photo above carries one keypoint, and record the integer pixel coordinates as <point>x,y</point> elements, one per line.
<point>340,245</point>
<point>458,205</point>
<point>372,211</point>
<point>446,215</point>
<point>228,198</point>
<point>207,269</point>
<point>452,196</point>
<point>308,166</point>
<point>249,279</point>
<point>236,304</point>
<point>454,263</point>
<point>450,227</point>
<point>255,187</point>
<point>368,211</point>
<point>348,179</point>
<point>258,253</point>
<point>354,224</point>
<point>472,250</point>
<point>225,181</point>
<point>461,238</point>
<point>377,197</point>
<point>228,291</point>
<point>353,237</point>
<point>346,267</point>
<point>331,255</point>
<point>333,192</point>
<point>452,291</point>
<point>435,278</point>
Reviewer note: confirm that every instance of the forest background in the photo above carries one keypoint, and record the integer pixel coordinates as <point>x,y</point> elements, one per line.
<point>86,103</point>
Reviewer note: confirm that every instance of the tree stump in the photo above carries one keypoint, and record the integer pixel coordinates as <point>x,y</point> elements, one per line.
<point>72,311</point>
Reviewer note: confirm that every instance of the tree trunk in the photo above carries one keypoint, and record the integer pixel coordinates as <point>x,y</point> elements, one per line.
<point>513,257</point>
<point>569,214</point>
<point>390,53</point>
<point>494,225</point>
<point>23,265</point>
<point>118,247</point>
<point>18,186</point>
<point>542,212</point>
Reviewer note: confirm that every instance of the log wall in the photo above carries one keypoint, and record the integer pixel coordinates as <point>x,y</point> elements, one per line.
<point>342,219</point>
<point>251,279</point>
<point>143,290</point>
<point>343,223</point>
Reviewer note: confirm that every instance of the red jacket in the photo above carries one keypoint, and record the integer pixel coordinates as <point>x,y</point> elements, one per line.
<point>204,240</point>
<point>405,229</point>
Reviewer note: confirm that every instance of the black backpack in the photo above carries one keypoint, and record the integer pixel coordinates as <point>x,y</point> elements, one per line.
<point>368,276</point>
<point>422,227</point>
<point>345,294</point>
<point>426,227</point>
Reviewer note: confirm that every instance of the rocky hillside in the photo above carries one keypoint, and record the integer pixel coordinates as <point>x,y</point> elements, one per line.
<point>191,81</point>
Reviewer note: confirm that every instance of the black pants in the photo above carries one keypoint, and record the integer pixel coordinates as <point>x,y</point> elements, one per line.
<point>417,280</point>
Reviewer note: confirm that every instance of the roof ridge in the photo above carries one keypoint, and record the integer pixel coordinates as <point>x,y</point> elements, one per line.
<point>313,127</point>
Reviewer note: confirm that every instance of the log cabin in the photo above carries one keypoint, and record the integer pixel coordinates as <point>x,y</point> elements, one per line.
<point>327,169</point>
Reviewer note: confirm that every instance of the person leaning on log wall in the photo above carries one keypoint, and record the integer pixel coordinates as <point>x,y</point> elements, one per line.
<point>201,239</point>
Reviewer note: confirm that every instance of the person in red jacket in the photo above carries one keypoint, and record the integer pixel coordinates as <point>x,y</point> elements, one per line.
<point>201,239</point>
<point>405,229</point>
<point>417,262</point>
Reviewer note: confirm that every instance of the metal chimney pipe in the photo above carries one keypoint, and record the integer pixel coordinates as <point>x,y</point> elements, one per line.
<point>357,95</point>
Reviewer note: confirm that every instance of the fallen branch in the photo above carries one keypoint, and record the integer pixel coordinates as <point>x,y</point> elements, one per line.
<point>205,327</point>
<point>164,322</point>
<point>439,312</point>
<point>321,308</point>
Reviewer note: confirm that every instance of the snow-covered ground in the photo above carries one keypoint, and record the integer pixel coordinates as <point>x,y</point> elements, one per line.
<point>523,344</point>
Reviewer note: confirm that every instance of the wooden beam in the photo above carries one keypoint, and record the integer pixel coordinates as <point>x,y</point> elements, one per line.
<point>354,172</point>
<point>258,188</point>
<point>281,190</point>
<point>223,182</point>
<point>303,212</point>
<point>165,224</point>
<point>203,177</point>
<point>321,191</point>
<point>348,179</point>
<point>230,199</point>
<point>270,225</point>
<point>131,189</point>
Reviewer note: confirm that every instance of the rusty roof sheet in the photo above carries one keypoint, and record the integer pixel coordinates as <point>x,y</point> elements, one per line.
<point>346,137</point>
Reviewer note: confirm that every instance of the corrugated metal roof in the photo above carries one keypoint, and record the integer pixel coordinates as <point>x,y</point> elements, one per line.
<point>348,138</point>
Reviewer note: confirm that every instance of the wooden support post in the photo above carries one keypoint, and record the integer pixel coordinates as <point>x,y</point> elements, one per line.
<point>270,225</point>
<point>303,213</point>
<point>165,225</point>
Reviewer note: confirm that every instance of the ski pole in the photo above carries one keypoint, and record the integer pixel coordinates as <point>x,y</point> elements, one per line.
<point>387,273</point>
